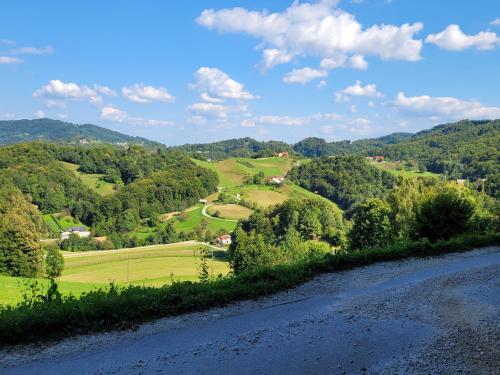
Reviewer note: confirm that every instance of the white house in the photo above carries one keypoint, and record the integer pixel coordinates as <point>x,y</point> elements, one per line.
<point>223,240</point>
<point>79,231</point>
<point>276,180</point>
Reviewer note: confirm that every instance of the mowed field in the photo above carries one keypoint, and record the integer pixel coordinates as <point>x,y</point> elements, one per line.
<point>233,172</point>
<point>399,169</point>
<point>61,221</point>
<point>230,211</point>
<point>149,265</point>
<point>93,181</point>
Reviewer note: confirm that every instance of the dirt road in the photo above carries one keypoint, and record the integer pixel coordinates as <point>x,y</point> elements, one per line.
<point>420,316</point>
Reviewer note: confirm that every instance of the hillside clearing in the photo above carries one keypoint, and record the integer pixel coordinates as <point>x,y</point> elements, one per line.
<point>230,211</point>
<point>93,181</point>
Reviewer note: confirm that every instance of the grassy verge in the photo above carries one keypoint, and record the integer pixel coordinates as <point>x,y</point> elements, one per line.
<point>116,308</point>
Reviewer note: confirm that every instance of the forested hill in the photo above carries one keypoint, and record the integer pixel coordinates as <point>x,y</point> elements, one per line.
<point>242,147</point>
<point>16,131</point>
<point>317,147</point>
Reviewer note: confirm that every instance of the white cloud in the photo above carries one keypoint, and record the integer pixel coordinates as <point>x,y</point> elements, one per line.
<point>342,61</point>
<point>357,89</point>
<point>272,57</point>
<point>207,98</point>
<point>303,75</point>
<point>146,94</point>
<point>321,84</point>
<point>453,39</point>
<point>39,114</point>
<point>209,110</point>
<point>114,114</point>
<point>9,60</point>
<point>59,90</point>
<point>319,29</point>
<point>495,22</point>
<point>105,90</point>
<point>32,50</point>
<point>283,120</point>
<point>213,83</point>
<point>447,108</point>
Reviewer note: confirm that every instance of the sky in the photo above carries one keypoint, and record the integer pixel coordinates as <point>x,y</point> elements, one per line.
<point>201,71</point>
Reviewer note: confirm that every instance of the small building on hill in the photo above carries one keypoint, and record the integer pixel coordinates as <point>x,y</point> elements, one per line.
<point>204,201</point>
<point>282,154</point>
<point>276,180</point>
<point>79,231</point>
<point>223,240</point>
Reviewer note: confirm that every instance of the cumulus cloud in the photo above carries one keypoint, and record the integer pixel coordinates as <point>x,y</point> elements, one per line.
<point>9,60</point>
<point>114,114</point>
<point>214,84</point>
<point>58,90</point>
<point>286,120</point>
<point>358,90</point>
<point>209,110</point>
<point>495,22</point>
<point>447,108</point>
<point>139,93</point>
<point>283,120</point>
<point>319,29</point>
<point>303,75</point>
<point>454,39</point>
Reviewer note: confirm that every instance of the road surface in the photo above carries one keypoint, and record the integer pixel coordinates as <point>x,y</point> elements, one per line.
<point>420,316</point>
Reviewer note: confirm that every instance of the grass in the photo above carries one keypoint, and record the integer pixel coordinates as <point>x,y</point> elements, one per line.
<point>230,211</point>
<point>121,308</point>
<point>234,171</point>
<point>399,169</point>
<point>195,217</point>
<point>61,221</point>
<point>150,265</point>
<point>93,181</point>
<point>10,292</point>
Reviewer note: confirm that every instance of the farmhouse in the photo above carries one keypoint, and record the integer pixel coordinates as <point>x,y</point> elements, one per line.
<point>282,154</point>
<point>223,240</point>
<point>276,180</point>
<point>79,231</point>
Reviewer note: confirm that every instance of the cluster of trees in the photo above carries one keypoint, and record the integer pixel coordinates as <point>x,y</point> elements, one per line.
<point>21,229</point>
<point>298,230</point>
<point>413,211</point>
<point>344,180</point>
<point>153,183</point>
<point>288,232</point>
<point>237,148</point>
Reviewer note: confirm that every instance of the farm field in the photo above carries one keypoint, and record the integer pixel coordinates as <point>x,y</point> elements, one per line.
<point>229,211</point>
<point>195,217</point>
<point>399,169</point>
<point>233,172</point>
<point>151,265</point>
<point>93,181</point>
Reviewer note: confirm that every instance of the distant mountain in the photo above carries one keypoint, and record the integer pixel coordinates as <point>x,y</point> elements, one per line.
<point>242,147</point>
<point>56,131</point>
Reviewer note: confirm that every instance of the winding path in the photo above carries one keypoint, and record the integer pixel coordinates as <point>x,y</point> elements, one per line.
<point>204,213</point>
<point>418,316</point>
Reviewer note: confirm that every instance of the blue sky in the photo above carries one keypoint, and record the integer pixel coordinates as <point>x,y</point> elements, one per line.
<point>199,71</point>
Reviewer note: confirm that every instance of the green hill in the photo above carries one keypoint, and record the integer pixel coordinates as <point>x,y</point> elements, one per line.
<point>17,131</point>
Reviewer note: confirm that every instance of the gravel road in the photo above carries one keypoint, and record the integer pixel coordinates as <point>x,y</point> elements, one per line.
<point>438,315</point>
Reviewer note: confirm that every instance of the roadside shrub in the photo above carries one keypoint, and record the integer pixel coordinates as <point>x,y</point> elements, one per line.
<point>444,213</point>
